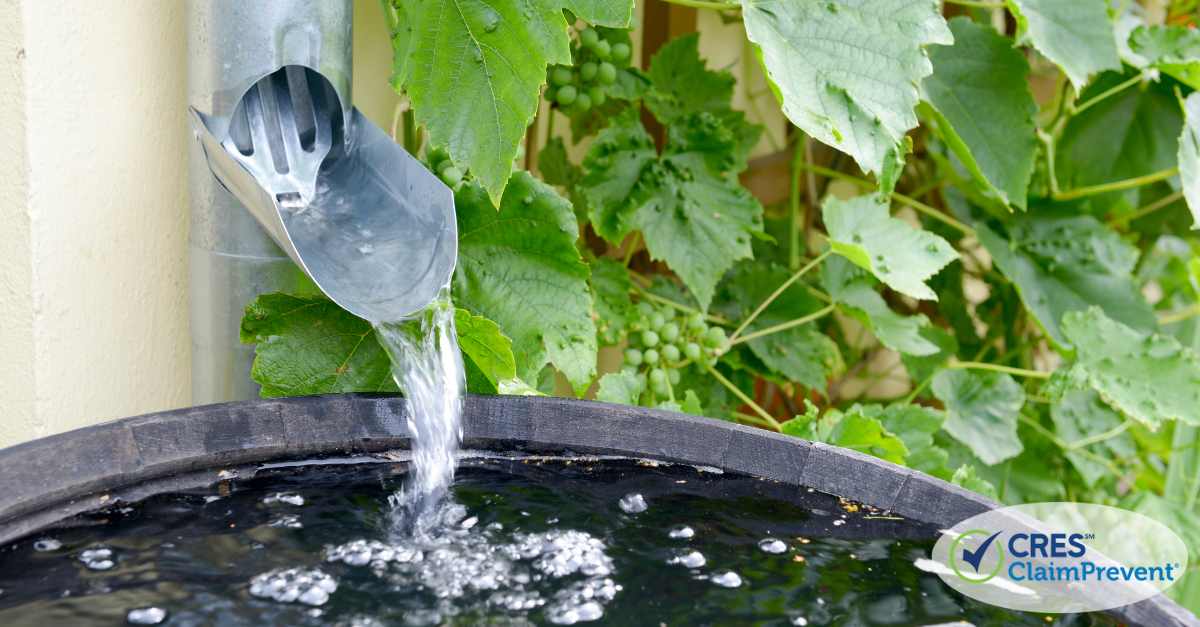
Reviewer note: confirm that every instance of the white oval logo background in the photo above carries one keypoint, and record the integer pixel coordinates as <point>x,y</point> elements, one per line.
<point>1058,557</point>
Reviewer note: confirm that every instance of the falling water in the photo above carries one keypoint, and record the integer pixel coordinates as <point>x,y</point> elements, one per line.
<point>429,370</point>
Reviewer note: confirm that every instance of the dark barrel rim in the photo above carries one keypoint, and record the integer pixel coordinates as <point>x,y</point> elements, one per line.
<point>87,469</point>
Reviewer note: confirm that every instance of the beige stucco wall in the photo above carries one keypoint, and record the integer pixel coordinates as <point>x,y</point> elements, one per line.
<point>93,199</point>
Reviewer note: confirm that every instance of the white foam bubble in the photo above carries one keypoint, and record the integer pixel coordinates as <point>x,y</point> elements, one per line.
<point>772,545</point>
<point>49,544</point>
<point>683,531</point>
<point>290,498</point>
<point>633,504</point>
<point>287,522</point>
<point>691,559</point>
<point>728,579</point>
<point>305,584</point>
<point>97,559</point>
<point>146,616</point>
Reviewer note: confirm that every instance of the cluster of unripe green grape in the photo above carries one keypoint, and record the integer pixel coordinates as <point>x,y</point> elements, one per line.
<point>439,161</point>
<point>660,344</point>
<point>583,84</point>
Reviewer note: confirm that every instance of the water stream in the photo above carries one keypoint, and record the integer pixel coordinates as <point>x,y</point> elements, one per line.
<point>428,367</point>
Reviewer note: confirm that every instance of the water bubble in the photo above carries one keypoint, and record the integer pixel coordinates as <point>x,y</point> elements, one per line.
<point>211,499</point>
<point>287,522</point>
<point>682,531</point>
<point>310,586</point>
<point>291,498</point>
<point>47,545</point>
<point>799,620</point>
<point>633,504</point>
<point>691,559</point>
<point>97,559</point>
<point>771,545</point>
<point>728,579</point>
<point>146,616</point>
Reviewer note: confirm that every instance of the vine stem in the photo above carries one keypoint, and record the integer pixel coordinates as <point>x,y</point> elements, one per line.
<point>978,365</point>
<point>745,399</point>
<point>799,273</point>
<point>1113,187</point>
<point>681,307</point>
<point>1075,110</point>
<point>933,213</point>
<point>794,201</point>
<point>1100,437</point>
<point>780,327</point>
<point>1150,208</point>
<point>1049,435</point>
<point>699,4</point>
<point>1179,316</point>
<point>911,202</point>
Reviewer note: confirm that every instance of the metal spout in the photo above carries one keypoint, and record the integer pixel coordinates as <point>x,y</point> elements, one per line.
<point>370,225</point>
<point>287,178</point>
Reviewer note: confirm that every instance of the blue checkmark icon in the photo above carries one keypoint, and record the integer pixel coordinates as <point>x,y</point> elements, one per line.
<point>975,557</point>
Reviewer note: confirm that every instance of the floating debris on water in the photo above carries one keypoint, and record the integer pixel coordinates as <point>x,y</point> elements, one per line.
<point>633,504</point>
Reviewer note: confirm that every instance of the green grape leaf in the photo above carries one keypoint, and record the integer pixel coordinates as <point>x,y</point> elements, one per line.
<point>307,344</point>
<point>618,387</point>
<point>1129,134</point>
<point>486,352</point>
<point>862,230</point>
<point>1173,50</point>
<point>610,300</point>
<point>691,404</point>
<point>692,215</point>
<point>1149,378</point>
<point>556,169</point>
<point>493,59</point>
<point>1189,155</point>
<point>853,429</point>
<point>683,85</point>
<point>965,477</point>
<point>984,108</point>
<point>915,426</point>
<point>921,367</point>
<point>867,435</point>
<point>1082,414</point>
<point>981,411</point>
<point>1060,265</point>
<point>801,353</point>
<point>849,286</point>
<point>519,267</point>
<point>846,71</point>
<point>1075,34</point>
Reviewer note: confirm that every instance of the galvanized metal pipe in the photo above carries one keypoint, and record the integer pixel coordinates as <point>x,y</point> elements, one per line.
<point>231,45</point>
